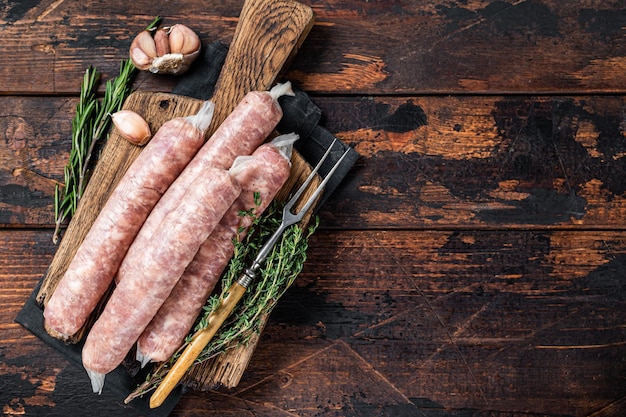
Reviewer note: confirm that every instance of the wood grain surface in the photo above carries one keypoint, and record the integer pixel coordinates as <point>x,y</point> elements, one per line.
<point>382,47</point>
<point>471,264</point>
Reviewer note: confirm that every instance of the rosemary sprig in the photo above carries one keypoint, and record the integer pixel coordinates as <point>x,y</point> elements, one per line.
<point>66,198</point>
<point>90,124</point>
<point>281,268</point>
<point>88,127</point>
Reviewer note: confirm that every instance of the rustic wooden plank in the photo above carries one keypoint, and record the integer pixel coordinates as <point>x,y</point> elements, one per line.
<point>463,321</point>
<point>35,148</point>
<point>618,408</point>
<point>483,162</point>
<point>357,47</point>
<point>395,322</point>
<point>399,320</point>
<point>427,162</point>
<point>471,264</point>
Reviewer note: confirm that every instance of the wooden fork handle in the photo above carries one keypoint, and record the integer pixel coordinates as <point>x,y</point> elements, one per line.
<point>198,342</point>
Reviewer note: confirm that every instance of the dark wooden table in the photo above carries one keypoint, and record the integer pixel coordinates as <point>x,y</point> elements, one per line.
<point>473,263</point>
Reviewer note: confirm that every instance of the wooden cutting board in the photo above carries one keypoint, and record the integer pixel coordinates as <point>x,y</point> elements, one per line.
<point>267,36</point>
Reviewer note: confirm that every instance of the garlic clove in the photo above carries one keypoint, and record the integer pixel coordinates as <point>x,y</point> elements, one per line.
<point>132,127</point>
<point>143,50</point>
<point>183,40</point>
<point>162,42</point>
<point>171,50</point>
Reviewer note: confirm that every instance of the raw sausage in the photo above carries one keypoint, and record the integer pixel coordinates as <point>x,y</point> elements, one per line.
<point>245,128</point>
<point>98,258</point>
<point>264,173</point>
<point>137,297</point>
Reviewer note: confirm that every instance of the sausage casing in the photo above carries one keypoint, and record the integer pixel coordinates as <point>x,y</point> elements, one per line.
<point>264,173</point>
<point>137,297</point>
<point>99,256</point>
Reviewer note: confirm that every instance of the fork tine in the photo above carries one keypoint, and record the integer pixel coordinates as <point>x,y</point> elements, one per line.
<point>320,187</point>
<point>308,180</point>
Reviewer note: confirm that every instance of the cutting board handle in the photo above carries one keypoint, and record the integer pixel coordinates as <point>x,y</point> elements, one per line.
<point>268,35</point>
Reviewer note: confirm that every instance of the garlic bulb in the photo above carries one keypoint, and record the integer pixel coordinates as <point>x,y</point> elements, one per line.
<point>132,127</point>
<point>170,51</point>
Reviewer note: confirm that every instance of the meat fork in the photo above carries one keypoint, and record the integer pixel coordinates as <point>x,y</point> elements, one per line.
<point>202,337</point>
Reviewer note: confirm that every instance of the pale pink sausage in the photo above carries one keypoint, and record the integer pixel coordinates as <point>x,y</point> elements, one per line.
<point>138,296</point>
<point>264,173</point>
<point>245,128</point>
<point>98,258</point>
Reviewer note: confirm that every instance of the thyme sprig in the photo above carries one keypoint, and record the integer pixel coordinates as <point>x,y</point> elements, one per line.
<point>280,269</point>
<point>89,125</point>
